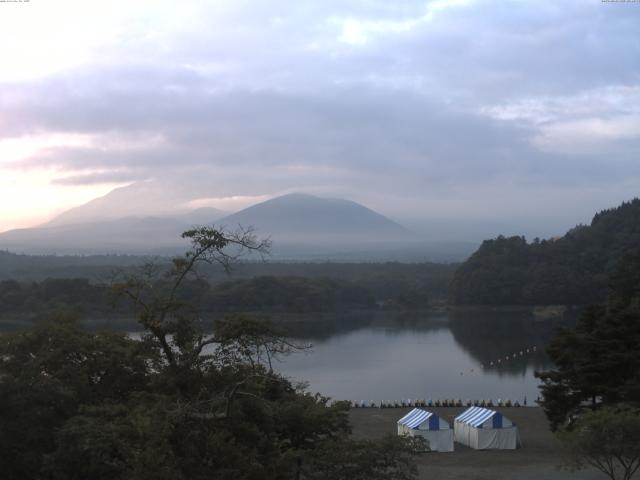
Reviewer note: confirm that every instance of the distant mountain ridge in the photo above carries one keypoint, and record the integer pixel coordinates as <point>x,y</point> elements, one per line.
<point>123,235</point>
<point>301,226</point>
<point>297,215</point>
<point>572,269</point>
<point>140,199</point>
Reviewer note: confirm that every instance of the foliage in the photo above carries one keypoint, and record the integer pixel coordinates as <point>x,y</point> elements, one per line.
<point>275,294</point>
<point>179,403</point>
<point>607,439</point>
<point>363,460</point>
<point>381,278</point>
<point>47,374</point>
<point>289,294</point>
<point>385,282</point>
<point>598,361</point>
<point>76,294</point>
<point>572,269</point>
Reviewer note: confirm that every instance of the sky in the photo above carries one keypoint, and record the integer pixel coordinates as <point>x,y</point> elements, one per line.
<point>500,116</point>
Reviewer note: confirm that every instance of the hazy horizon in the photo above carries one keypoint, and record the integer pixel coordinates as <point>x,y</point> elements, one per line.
<point>434,229</point>
<point>459,119</point>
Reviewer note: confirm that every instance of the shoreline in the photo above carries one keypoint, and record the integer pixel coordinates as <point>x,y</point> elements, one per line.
<point>118,321</point>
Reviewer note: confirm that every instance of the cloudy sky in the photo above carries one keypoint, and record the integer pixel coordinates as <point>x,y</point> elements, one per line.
<point>523,116</point>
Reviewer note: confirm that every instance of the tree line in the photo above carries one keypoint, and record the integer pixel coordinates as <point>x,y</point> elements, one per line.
<point>573,269</point>
<point>383,279</point>
<point>592,396</point>
<point>266,294</point>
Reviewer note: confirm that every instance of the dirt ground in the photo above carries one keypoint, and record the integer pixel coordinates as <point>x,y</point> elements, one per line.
<point>538,459</point>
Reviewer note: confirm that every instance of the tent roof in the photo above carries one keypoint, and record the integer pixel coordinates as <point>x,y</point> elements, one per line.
<point>475,416</point>
<point>415,418</point>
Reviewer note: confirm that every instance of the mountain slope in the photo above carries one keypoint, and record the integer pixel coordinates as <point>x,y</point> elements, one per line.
<point>130,235</point>
<point>201,216</point>
<point>302,227</point>
<point>299,217</point>
<point>570,270</point>
<point>140,199</point>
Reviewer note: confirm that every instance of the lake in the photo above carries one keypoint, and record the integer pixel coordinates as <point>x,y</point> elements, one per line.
<point>465,356</point>
<point>390,356</point>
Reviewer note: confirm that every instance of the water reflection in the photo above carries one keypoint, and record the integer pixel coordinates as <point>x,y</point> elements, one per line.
<point>393,356</point>
<point>507,343</point>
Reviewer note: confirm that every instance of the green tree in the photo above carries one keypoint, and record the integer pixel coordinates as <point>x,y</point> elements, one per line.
<point>598,361</point>
<point>47,374</point>
<point>347,459</point>
<point>607,439</point>
<point>572,269</point>
<point>181,402</point>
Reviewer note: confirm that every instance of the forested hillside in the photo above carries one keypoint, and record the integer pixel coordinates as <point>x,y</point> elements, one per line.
<point>289,294</point>
<point>408,283</point>
<point>24,302</point>
<point>572,269</point>
<point>40,267</point>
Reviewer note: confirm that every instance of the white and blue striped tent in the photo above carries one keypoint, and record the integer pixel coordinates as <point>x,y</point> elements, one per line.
<point>484,429</point>
<point>436,431</point>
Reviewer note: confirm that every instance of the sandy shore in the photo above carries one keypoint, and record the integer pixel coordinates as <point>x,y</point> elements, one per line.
<point>538,459</point>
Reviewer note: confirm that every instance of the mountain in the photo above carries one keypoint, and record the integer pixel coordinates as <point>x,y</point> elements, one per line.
<point>299,217</point>
<point>572,269</point>
<point>302,227</point>
<point>201,216</point>
<point>125,235</point>
<point>140,199</point>
<point>142,218</point>
<point>132,235</point>
<point>305,227</point>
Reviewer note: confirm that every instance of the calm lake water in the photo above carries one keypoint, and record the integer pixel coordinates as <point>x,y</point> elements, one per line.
<point>426,358</point>
<point>378,356</point>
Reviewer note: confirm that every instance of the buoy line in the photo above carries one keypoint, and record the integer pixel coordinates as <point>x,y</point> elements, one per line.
<point>408,403</point>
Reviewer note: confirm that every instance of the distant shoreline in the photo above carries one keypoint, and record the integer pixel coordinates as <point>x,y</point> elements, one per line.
<point>354,317</point>
<point>539,312</point>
